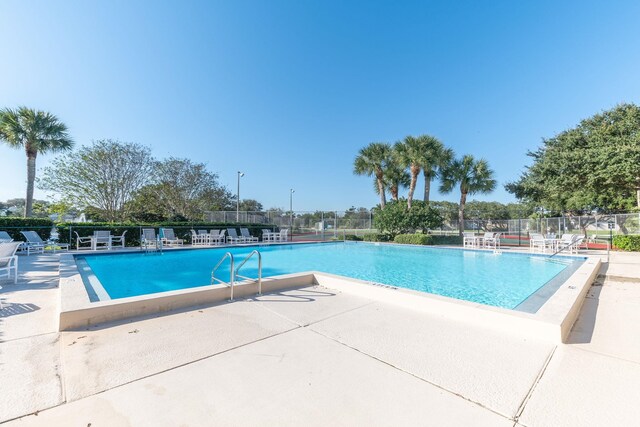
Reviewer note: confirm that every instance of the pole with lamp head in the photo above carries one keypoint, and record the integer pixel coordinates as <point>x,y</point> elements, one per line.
<point>291,191</point>
<point>240,175</point>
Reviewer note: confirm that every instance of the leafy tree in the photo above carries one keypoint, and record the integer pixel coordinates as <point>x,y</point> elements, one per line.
<point>180,190</point>
<point>396,218</point>
<point>436,157</point>
<point>395,176</point>
<point>104,175</point>
<point>471,176</point>
<point>371,161</point>
<point>35,132</point>
<point>594,166</point>
<point>447,210</point>
<point>410,151</point>
<point>250,205</point>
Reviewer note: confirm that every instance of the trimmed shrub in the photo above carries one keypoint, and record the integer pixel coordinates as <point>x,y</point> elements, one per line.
<point>182,230</point>
<point>627,242</point>
<point>413,239</point>
<point>353,237</point>
<point>376,237</point>
<point>446,240</point>
<point>14,225</point>
<point>395,218</point>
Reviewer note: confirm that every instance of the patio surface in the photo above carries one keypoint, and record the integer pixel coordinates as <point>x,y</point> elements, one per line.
<point>315,356</point>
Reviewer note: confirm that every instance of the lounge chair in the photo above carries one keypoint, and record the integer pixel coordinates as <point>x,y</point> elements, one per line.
<point>216,237</point>
<point>283,236</point>
<point>149,239</point>
<point>101,239</point>
<point>9,260</point>
<point>35,243</point>
<point>267,235</point>
<point>537,243</point>
<point>196,238</point>
<point>118,241</point>
<point>169,237</point>
<point>81,241</point>
<point>5,238</point>
<point>469,240</point>
<point>492,242</point>
<point>232,236</point>
<point>247,236</point>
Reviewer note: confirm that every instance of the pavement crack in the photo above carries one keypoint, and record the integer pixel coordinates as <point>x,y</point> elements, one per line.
<point>535,383</point>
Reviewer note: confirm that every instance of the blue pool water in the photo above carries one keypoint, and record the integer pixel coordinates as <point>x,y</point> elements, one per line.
<point>503,280</point>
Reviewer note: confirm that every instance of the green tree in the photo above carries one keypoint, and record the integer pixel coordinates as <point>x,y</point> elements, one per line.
<point>396,218</point>
<point>395,176</point>
<point>411,152</point>
<point>593,166</point>
<point>371,161</point>
<point>105,176</point>
<point>35,132</point>
<point>471,176</point>
<point>250,205</point>
<point>436,157</point>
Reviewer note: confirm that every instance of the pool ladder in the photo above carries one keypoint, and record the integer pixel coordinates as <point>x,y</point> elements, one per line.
<point>234,273</point>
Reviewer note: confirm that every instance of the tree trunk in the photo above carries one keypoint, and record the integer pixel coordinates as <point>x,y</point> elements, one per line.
<point>31,178</point>
<point>394,192</point>
<point>415,170</point>
<point>383,196</point>
<point>427,186</point>
<point>463,201</point>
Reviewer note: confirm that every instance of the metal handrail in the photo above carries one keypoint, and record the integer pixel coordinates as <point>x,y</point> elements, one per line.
<point>254,252</point>
<point>231,272</point>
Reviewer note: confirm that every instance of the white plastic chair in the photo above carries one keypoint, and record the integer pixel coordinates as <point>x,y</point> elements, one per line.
<point>9,260</point>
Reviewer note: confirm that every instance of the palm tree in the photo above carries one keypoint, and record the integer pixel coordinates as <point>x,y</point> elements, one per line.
<point>410,154</point>
<point>35,132</point>
<point>371,161</point>
<point>395,176</point>
<point>436,157</point>
<point>472,176</point>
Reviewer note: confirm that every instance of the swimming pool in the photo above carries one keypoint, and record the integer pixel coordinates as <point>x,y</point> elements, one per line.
<point>501,280</point>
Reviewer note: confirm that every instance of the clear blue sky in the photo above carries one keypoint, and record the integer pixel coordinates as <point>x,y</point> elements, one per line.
<point>288,91</point>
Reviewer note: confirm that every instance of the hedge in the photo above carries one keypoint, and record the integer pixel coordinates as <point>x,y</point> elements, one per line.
<point>627,242</point>
<point>413,239</point>
<point>352,237</point>
<point>182,230</point>
<point>376,237</point>
<point>446,240</point>
<point>14,225</point>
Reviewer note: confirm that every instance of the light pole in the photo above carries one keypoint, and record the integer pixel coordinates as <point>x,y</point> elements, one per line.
<point>291,191</point>
<point>240,175</point>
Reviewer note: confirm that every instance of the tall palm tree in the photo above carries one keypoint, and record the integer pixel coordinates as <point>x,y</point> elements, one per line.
<point>435,158</point>
<point>35,132</point>
<point>395,176</point>
<point>371,161</point>
<point>410,154</point>
<point>472,176</point>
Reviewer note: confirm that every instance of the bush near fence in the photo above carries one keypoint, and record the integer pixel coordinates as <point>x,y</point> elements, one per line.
<point>413,239</point>
<point>630,242</point>
<point>182,230</point>
<point>376,237</point>
<point>14,225</point>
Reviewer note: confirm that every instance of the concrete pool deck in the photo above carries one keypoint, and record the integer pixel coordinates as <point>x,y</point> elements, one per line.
<point>315,356</point>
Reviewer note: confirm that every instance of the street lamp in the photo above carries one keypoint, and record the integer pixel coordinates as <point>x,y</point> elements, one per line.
<point>240,175</point>
<point>291,191</point>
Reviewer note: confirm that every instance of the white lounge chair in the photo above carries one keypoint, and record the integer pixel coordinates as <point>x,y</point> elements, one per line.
<point>101,239</point>
<point>196,238</point>
<point>268,236</point>
<point>216,237</point>
<point>9,260</point>
<point>36,244</point>
<point>5,238</point>
<point>232,236</point>
<point>283,236</point>
<point>149,239</point>
<point>492,242</point>
<point>247,236</point>
<point>169,237</point>
<point>469,240</point>
<point>537,243</point>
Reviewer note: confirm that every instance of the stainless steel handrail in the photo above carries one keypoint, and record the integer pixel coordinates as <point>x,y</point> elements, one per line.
<point>254,252</point>
<point>231,272</point>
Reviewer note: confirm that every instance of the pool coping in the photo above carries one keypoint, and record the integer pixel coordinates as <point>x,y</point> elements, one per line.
<point>552,321</point>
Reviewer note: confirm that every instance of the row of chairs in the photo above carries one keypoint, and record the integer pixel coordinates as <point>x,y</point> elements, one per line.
<point>489,240</point>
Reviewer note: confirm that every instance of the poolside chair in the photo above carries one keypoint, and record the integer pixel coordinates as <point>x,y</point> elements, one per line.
<point>101,239</point>
<point>81,241</point>
<point>118,241</point>
<point>232,236</point>
<point>469,240</point>
<point>267,235</point>
<point>169,237</point>
<point>492,242</point>
<point>9,260</point>
<point>196,239</point>
<point>283,236</point>
<point>36,244</point>
<point>216,237</point>
<point>5,238</point>
<point>247,236</point>
<point>537,243</point>
<point>149,239</point>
